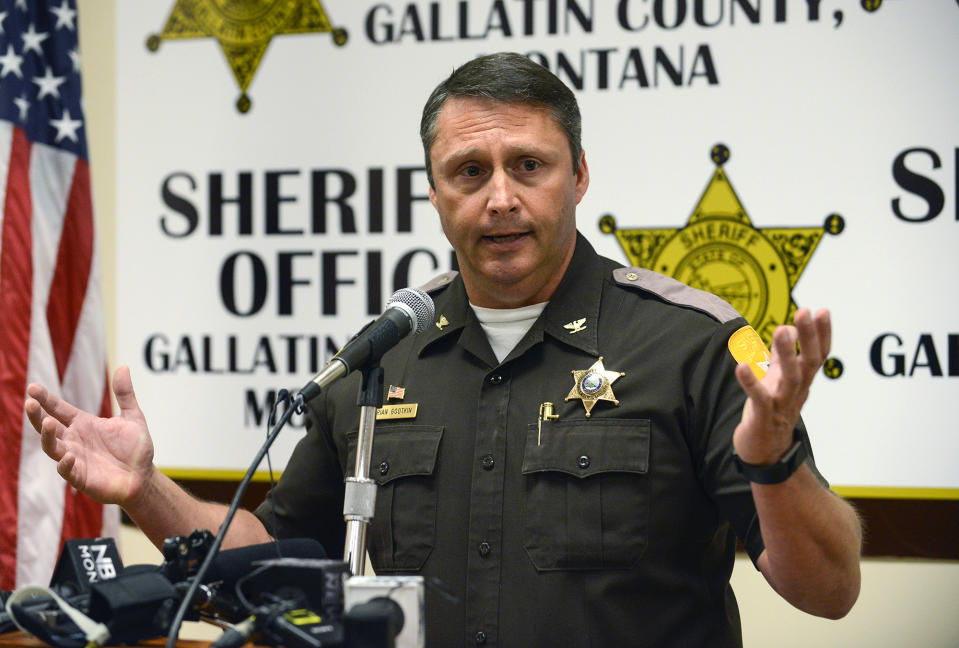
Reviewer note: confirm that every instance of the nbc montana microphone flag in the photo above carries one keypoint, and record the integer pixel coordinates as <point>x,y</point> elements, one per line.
<point>51,309</point>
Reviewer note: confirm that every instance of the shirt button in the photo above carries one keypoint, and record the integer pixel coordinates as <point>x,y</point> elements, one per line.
<point>484,549</point>
<point>488,462</point>
<point>384,468</point>
<point>583,462</point>
<point>495,379</point>
<point>480,637</point>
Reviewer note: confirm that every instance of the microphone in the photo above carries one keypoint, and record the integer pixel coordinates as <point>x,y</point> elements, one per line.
<point>217,595</point>
<point>294,601</point>
<point>408,310</point>
<point>230,565</point>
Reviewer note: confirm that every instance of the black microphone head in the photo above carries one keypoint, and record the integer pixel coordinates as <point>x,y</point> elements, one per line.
<point>416,304</point>
<point>232,564</point>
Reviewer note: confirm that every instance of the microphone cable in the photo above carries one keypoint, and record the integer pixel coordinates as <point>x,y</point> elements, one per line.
<point>282,396</point>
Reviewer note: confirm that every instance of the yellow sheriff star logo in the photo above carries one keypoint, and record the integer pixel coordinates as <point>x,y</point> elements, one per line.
<point>720,251</point>
<point>593,384</point>
<point>244,30</point>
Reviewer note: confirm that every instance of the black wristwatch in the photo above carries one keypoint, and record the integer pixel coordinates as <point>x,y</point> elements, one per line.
<point>777,472</point>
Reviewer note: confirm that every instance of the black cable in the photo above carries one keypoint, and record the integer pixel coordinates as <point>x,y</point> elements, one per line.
<point>174,630</point>
<point>284,396</point>
<point>238,588</point>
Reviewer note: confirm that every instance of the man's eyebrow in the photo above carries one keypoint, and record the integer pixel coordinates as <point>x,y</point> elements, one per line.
<point>458,157</point>
<point>527,150</point>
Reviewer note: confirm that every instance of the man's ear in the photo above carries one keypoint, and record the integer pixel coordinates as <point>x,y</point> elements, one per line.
<point>582,177</point>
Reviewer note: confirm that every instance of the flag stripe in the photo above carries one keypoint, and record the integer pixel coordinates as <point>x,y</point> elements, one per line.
<point>41,491</point>
<point>82,517</point>
<point>74,258</point>
<point>16,289</point>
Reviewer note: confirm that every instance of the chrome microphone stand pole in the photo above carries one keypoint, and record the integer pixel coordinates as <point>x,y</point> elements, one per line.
<point>359,501</point>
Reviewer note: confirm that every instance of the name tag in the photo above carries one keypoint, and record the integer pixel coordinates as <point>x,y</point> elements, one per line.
<point>404,411</point>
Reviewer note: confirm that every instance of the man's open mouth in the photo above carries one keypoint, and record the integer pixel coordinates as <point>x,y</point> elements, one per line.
<point>505,238</point>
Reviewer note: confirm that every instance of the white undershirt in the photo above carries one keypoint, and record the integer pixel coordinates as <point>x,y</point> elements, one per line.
<point>505,327</point>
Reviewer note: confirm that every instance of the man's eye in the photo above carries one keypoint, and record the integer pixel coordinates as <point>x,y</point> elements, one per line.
<point>471,171</point>
<point>530,165</point>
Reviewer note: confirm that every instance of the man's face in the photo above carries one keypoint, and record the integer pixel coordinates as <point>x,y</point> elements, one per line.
<point>506,195</point>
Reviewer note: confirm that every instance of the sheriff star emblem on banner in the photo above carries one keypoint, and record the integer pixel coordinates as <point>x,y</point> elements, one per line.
<point>593,384</point>
<point>244,30</point>
<point>722,252</point>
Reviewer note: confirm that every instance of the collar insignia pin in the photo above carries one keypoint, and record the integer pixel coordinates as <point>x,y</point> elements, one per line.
<point>593,384</point>
<point>443,322</point>
<point>576,325</point>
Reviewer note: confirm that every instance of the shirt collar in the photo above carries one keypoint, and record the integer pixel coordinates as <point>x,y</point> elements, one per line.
<point>572,315</point>
<point>577,298</point>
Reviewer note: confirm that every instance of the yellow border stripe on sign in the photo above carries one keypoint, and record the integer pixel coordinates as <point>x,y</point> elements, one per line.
<point>201,474</point>
<point>888,492</point>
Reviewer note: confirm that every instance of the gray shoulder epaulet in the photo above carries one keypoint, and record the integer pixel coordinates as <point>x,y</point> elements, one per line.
<point>675,292</point>
<point>439,281</point>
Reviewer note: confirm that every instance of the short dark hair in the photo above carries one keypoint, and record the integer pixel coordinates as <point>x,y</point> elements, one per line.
<point>505,77</point>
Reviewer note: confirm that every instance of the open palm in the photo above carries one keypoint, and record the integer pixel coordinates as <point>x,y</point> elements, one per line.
<point>109,459</point>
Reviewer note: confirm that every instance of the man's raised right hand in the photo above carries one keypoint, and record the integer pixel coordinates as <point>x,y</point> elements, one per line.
<point>109,459</point>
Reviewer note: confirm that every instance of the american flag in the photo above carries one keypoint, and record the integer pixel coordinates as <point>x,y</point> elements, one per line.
<point>51,309</point>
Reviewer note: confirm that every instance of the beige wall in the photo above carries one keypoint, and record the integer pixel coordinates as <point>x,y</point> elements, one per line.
<point>903,602</point>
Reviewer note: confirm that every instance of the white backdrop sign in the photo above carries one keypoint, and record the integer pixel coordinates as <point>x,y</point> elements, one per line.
<point>271,192</point>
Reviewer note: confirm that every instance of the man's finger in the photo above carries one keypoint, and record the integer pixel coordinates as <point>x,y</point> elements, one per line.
<point>784,353</point>
<point>751,385</point>
<point>810,345</point>
<point>65,467</point>
<point>52,404</point>
<point>34,413</point>
<point>824,328</point>
<point>52,446</point>
<point>123,390</point>
<point>51,435</point>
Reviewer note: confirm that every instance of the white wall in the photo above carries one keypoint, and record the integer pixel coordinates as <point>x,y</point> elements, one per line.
<point>903,602</point>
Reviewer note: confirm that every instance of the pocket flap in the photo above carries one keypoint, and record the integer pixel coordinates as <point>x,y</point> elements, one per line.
<point>400,451</point>
<point>588,448</point>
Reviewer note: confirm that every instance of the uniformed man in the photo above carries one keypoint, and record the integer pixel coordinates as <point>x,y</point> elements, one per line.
<point>585,448</point>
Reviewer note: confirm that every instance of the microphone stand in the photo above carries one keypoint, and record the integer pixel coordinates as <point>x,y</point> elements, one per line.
<point>359,500</point>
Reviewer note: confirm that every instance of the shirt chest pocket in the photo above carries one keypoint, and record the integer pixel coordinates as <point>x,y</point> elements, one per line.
<point>587,494</point>
<point>403,462</point>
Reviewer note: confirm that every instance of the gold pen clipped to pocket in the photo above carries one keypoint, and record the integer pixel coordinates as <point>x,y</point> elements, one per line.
<point>545,414</point>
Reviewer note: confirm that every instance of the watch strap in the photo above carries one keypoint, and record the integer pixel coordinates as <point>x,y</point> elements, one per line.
<point>775,473</point>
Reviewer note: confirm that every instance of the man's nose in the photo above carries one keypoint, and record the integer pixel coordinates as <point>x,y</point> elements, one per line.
<point>502,194</point>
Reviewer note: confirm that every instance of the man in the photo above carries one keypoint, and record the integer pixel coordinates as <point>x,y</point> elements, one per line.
<point>569,474</point>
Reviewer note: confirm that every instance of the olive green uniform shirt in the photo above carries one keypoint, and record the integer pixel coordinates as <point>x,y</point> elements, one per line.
<point>616,529</point>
